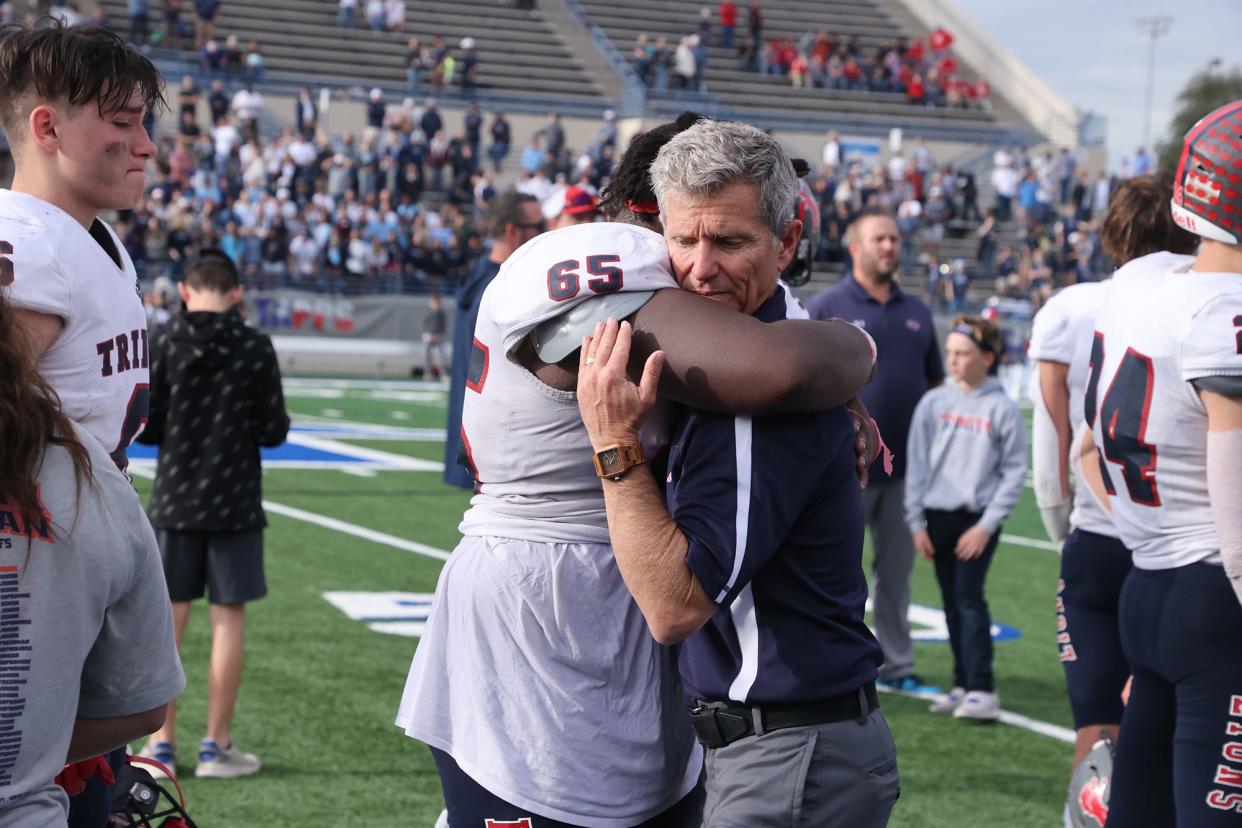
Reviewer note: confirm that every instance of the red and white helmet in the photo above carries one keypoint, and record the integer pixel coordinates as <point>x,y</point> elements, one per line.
<point>1207,190</point>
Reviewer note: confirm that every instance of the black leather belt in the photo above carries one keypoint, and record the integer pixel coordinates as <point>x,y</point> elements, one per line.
<point>719,723</point>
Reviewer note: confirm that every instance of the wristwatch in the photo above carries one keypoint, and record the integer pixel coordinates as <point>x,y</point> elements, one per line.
<point>615,460</point>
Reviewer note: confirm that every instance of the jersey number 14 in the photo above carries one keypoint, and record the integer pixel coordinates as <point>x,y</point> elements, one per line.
<point>1124,410</point>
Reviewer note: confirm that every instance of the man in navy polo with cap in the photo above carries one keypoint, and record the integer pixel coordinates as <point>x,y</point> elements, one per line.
<point>753,555</point>
<point>908,364</point>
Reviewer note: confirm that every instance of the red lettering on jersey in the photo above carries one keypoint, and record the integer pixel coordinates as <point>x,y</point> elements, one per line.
<point>1235,706</point>
<point>524,822</point>
<point>1222,801</point>
<point>1091,800</point>
<point>122,353</point>
<point>1233,728</point>
<point>104,349</point>
<point>1068,653</point>
<point>1228,776</point>
<point>1062,624</point>
<point>1232,751</point>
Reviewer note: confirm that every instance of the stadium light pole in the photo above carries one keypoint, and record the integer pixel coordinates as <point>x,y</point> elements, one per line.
<point>1153,28</point>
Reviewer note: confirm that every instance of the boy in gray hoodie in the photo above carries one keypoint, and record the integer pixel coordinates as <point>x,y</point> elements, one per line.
<point>966,466</point>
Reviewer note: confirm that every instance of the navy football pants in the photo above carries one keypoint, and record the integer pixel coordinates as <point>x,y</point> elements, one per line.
<point>1179,755</point>
<point>1093,570</point>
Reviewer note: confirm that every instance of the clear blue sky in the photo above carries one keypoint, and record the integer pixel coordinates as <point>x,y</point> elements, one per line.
<point>1093,55</point>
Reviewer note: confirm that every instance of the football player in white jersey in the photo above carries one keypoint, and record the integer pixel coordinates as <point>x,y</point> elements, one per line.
<point>1164,404</point>
<point>537,683</point>
<point>72,103</point>
<point>1094,563</point>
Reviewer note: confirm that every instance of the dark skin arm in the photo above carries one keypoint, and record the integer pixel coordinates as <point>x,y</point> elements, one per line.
<point>794,365</point>
<point>723,361</point>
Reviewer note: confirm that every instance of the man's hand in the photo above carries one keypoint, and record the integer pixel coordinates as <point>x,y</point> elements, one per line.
<point>972,543</point>
<point>867,441</point>
<point>923,544</point>
<point>612,407</point>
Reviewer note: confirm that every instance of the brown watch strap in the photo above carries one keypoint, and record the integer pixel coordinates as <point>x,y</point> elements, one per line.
<point>615,460</point>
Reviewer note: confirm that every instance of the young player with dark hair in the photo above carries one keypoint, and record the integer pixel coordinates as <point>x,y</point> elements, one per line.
<point>72,103</point>
<point>215,399</point>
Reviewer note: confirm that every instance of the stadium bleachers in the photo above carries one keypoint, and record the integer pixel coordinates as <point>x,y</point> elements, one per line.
<point>772,98</point>
<point>520,54</point>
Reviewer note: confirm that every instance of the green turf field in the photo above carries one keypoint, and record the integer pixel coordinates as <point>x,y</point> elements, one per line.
<point>321,690</point>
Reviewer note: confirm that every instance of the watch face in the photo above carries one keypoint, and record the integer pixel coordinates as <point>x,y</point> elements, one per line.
<point>610,458</point>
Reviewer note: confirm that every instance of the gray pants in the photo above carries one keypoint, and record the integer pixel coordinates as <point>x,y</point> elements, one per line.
<point>839,775</point>
<point>893,550</point>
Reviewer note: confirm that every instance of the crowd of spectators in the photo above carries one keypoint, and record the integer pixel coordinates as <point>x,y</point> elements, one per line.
<point>925,71</point>
<point>392,209</point>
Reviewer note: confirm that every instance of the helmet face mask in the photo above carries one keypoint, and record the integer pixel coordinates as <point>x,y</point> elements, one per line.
<point>1207,190</point>
<point>806,210</point>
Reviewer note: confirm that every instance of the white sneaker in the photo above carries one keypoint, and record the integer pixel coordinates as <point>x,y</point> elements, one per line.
<point>979,705</point>
<point>215,762</point>
<point>163,752</point>
<point>950,702</point>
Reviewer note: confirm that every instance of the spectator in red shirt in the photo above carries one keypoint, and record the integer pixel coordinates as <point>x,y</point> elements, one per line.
<point>798,71</point>
<point>728,19</point>
<point>914,54</point>
<point>940,40</point>
<point>852,73</point>
<point>915,90</point>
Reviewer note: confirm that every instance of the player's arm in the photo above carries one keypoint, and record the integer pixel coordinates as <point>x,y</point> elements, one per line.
<point>649,547</point>
<point>723,361</point>
<point>1086,459</point>
<point>94,737</point>
<point>1224,474</point>
<point>1052,434</point>
<point>152,433</point>
<point>40,329</point>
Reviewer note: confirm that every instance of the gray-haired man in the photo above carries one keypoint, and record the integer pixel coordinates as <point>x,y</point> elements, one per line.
<point>753,554</point>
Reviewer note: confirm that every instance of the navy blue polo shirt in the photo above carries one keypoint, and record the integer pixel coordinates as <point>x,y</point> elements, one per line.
<point>469,295</point>
<point>773,513</point>
<point>908,357</point>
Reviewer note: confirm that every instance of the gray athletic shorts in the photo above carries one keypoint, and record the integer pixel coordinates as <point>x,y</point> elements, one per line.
<point>228,564</point>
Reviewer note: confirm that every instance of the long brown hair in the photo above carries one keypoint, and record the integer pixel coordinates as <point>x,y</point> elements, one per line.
<point>1139,221</point>
<point>30,419</point>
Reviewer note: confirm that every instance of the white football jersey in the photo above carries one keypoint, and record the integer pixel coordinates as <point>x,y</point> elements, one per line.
<point>98,363</point>
<point>1160,328</point>
<point>1063,331</point>
<point>525,441</point>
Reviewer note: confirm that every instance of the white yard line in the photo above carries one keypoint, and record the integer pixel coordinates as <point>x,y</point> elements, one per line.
<point>1061,734</point>
<point>332,523</point>
<point>356,530</point>
<point>1033,543</point>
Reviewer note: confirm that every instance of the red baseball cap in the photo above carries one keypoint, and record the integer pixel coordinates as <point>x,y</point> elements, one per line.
<point>579,201</point>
